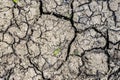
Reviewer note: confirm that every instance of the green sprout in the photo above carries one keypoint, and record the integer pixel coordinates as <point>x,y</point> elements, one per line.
<point>15,1</point>
<point>76,52</point>
<point>56,51</point>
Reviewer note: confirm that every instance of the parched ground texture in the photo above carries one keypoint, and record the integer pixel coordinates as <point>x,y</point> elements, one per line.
<point>60,40</point>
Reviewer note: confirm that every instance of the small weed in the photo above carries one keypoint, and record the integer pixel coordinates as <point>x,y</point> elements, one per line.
<point>15,1</point>
<point>76,52</point>
<point>56,52</point>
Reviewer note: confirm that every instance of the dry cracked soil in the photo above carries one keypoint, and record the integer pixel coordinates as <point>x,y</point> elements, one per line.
<point>59,39</point>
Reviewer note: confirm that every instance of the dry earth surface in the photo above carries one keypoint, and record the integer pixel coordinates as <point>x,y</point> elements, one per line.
<point>60,40</point>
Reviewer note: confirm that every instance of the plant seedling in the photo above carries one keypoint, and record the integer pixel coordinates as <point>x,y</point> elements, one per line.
<point>56,51</point>
<point>76,52</point>
<point>15,1</point>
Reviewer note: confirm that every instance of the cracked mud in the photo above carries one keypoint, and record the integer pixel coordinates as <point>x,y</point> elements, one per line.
<point>59,39</point>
